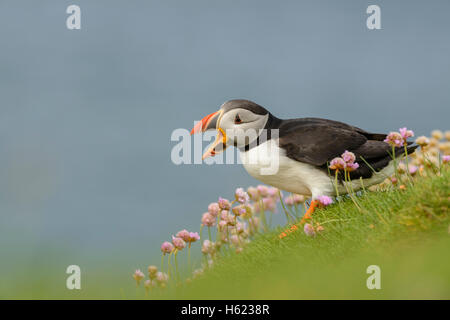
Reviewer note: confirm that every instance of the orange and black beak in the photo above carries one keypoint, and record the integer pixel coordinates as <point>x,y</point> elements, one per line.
<point>207,123</point>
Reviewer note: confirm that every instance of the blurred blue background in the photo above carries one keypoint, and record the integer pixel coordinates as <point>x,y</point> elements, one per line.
<point>86,115</point>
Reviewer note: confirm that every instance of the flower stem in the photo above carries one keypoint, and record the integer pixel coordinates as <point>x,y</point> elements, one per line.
<point>336,183</point>
<point>288,217</point>
<point>349,190</point>
<point>189,258</point>
<point>169,267</point>
<point>296,208</point>
<point>263,215</point>
<point>176,266</point>
<point>408,174</point>
<point>395,163</point>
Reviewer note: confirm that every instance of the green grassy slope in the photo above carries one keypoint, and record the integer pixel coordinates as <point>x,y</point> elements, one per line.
<point>404,232</point>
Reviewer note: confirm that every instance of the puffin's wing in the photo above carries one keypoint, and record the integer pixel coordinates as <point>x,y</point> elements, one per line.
<point>317,143</point>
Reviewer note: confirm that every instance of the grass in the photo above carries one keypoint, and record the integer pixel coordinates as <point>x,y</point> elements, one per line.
<point>404,232</point>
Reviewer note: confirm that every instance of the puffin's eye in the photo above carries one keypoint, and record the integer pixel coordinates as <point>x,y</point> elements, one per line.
<point>237,119</point>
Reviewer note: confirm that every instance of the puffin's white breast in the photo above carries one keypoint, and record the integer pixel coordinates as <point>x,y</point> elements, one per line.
<point>269,164</point>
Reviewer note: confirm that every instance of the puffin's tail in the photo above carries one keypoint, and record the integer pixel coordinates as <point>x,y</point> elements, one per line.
<point>367,166</point>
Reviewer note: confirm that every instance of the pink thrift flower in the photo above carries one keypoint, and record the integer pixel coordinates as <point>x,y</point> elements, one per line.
<point>263,190</point>
<point>309,230</point>
<point>253,193</point>
<point>289,201</point>
<point>222,225</point>
<point>240,227</point>
<point>325,200</point>
<point>178,243</point>
<point>166,247</point>
<point>183,234</point>
<point>394,139</point>
<point>239,210</point>
<point>351,166</point>
<point>207,247</point>
<point>231,220</point>
<point>244,210</point>
<point>446,159</point>
<point>138,275</point>
<point>269,204</point>
<point>152,270</point>
<point>214,209</point>
<point>348,157</point>
<point>208,220</point>
<point>273,192</point>
<point>405,133</point>
<point>241,196</point>
<point>422,141</point>
<point>337,164</point>
<point>412,169</point>
<point>224,204</point>
<point>148,284</point>
<point>294,199</point>
<point>224,215</point>
<point>162,277</point>
<point>194,236</point>
<point>298,198</point>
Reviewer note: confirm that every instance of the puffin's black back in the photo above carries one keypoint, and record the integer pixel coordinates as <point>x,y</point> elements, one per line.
<point>317,141</point>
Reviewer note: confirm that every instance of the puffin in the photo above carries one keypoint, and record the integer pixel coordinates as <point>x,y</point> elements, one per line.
<point>302,150</point>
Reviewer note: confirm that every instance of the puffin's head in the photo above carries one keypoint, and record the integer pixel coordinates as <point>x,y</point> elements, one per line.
<point>238,123</point>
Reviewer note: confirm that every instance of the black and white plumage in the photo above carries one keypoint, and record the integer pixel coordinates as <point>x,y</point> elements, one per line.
<point>304,146</point>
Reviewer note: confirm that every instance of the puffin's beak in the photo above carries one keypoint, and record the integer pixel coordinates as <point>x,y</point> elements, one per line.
<point>207,123</point>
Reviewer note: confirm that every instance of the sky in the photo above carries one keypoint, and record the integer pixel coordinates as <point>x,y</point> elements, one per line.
<point>86,116</point>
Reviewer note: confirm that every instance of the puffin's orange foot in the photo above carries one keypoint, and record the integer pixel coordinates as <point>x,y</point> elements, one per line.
<point>310,210</point>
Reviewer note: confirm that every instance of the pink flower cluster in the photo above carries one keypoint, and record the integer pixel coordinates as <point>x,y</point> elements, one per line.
<point>265,198</point>
<point>399,139</point>
<point>138,275</point>
<point>310,231</point>
<point>155,278</point>
<point>179,242</point>
<point>294,200</point>
<point>345,162</point>
<point>325,200</point>
<point>187,236</point>
<point>235,223</point>
<point>241,196</point>
<point>167,247</point>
